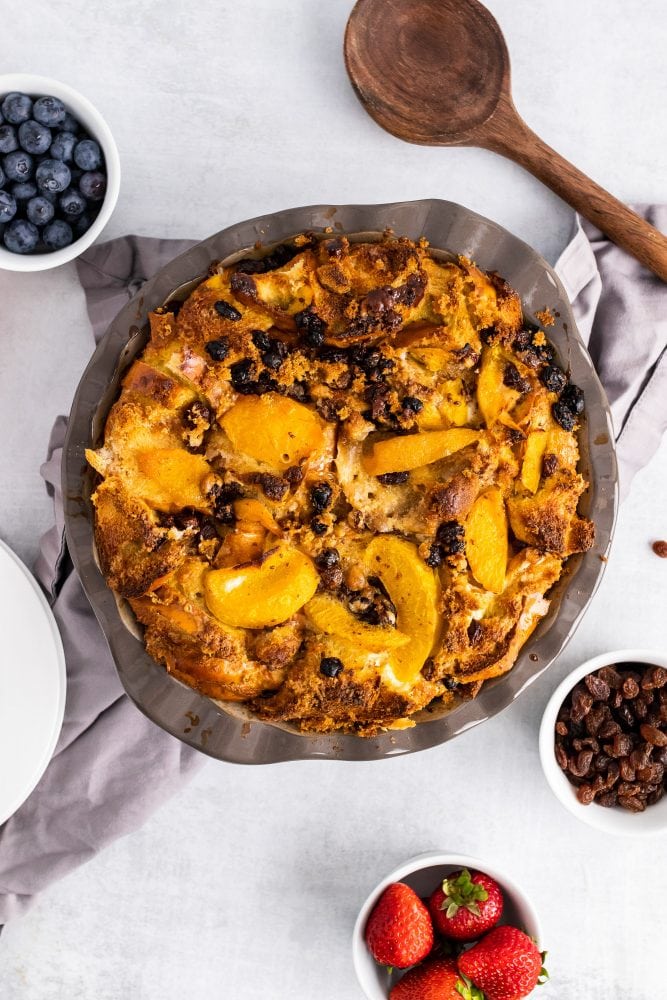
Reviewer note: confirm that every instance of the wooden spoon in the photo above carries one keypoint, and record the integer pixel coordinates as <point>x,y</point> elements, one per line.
<point>437,73</point>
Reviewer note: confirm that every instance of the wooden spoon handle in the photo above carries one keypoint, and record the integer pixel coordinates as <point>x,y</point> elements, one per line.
<point>514,139</point>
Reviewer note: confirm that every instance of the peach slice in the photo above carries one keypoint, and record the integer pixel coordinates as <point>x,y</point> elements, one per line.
<point>273,429</point>
<point>413,588</point>
<point>173,478</point>
<point>531,470</point>
<point>493,397</point>
<point>330,616</point>
<point>412,451</point>
<point>486,540</point>
<point>254,510</point>
<point>263,593</point>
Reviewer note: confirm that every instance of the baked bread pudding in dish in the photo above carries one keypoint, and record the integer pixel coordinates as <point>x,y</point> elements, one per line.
<point>339,483</point>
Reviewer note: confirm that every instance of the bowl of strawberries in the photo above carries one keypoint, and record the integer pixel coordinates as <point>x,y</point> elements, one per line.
<point>446,927</point>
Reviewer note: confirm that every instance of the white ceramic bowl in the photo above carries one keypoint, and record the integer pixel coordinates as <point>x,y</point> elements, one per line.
<point>423,873</point>
<point>612,819</point>
<point>93,122</point>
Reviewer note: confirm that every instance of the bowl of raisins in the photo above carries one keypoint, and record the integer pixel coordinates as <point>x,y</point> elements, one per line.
<point>59,173</point>
<point>603,742</point>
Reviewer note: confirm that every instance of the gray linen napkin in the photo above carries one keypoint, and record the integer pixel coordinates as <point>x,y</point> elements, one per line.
<point>112,767</point>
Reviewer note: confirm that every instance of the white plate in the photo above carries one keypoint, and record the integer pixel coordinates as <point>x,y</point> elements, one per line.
<point>32,683</point>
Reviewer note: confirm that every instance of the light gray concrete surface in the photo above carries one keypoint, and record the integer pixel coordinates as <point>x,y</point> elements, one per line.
<point>247,885</point>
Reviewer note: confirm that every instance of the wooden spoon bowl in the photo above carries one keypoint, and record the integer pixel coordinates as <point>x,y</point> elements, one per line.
<point>437,73</point>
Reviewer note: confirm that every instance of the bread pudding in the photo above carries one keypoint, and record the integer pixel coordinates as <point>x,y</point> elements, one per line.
<point>339,483</point>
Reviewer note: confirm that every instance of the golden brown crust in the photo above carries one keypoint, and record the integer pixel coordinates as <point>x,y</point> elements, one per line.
<point>293,410</point>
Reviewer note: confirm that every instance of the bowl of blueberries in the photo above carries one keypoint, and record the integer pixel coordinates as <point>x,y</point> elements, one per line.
<point>59,173</point>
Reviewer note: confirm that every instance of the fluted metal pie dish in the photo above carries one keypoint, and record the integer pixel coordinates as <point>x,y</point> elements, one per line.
<point>229,731</point>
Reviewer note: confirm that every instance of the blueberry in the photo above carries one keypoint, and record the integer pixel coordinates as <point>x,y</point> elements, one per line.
<point>87,154</point>
<point>83,224</point>
<point>49,111</point>
<point>39,211</point>
<point>62,147</point>
<point>7,206</point>
<point>93,185</point>
<point>21,236</point>
<point>8,140</point>
<point>69,123</point>
<point>17,108</point>
<point>24,190</point>
<point>18,165</point>
<point>57,234</point>
<point>53,175</point>
<point>72,203</point>
<point>34,137</point>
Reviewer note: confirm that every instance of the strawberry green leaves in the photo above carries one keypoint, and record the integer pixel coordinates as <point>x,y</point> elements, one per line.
<point>462,891</point>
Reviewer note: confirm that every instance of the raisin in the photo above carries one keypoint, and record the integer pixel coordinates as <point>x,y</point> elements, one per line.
<point>573,398</point>
<point>563,416</point>
<point>393,478</point>
<point>434,556</point>
<point>488,334</point>
<point>620,746</point>
<point>311,327</point>
<point>553,378</point>
<point>561,728</point>
<point>630,688</point>
<point>654,678</point>
<point>299,390</point>
<point>631,802</point>
<point>450,536</point>
<point>561,757</point>
<point>597,687</point>
<point>331,666</point>
<point>278,257</point>
<point>513,379</point>
<point>608,729</point>
<point>196,414</point>
<point>320,496</point>
<point>294,475</point>
<point>608,799</point>
<point>582,703</point>
<point>653,736</point>
<point>273,487</point>
<point>655,796</point>
<point>412,403</point>
<point>594,720</point>
<point>217,349</point>
<point>227,311</point>
<point>243,286</point>
<point>241,374</point>
<point>475,634</point>
<point>261,340</point>
<point>610,677</point>
<point>585,794</point>
<point>272,360</point>
<point>627,771</point>
<point>332,577</point>
<point>318,527</point>
<point>584,759</point>
<point>549,464</point>
<point>327,558</point>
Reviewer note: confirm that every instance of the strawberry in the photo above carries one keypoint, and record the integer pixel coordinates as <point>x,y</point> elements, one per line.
<point>506,964</point>
<point>436,979</point>
<point>399,931</point>
<point>466,905</point>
